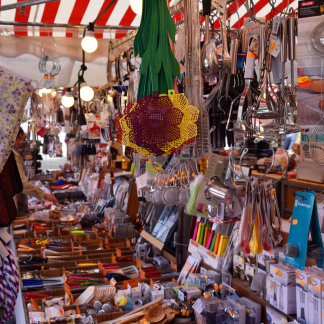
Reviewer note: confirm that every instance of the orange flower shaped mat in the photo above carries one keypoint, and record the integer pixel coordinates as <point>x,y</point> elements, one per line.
<point>158,124</point>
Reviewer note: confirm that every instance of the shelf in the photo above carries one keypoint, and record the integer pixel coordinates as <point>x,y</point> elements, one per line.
<point>285,227</point>
<point>208,257</point>
<point>159,245</point>
<point>148,237</point>
<point>171,258</point>
<point>292,181</point>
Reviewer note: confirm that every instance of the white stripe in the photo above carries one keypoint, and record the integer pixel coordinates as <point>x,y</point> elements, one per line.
<point>62,17</point>
<point>267,9</point>
<point>235,18</point>
<point>116,16</point>
<point>64,11</point>
<point>136,22</point>
<point>39,15</point>
<point>31,18</point>
<point>106,35</point>
<point>294,4</point>
<point>173,2</point>
<point>118,13</point>
<point>92,11</point>
<point>40,12</point>
<point>59,32</point>
<point>8,15</point>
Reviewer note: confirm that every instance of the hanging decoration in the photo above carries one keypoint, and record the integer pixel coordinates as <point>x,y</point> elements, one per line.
<point>159,125</point>
<point>159,66</point>
<point>48,80</point>
<point>161,122</point>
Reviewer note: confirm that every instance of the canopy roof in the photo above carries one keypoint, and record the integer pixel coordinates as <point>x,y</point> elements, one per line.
<point>120,17</point>
<point>21,54</point>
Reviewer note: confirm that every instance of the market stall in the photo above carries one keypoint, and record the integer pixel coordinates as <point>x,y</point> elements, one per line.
<point>161,161</point>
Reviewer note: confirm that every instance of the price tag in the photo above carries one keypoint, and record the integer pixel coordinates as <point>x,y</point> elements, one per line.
<point>112,282</point>
<point>303,79</point>
<point>132,283</point>
<point>211,255</point>
<point>304,84</point>
<point>238,137</point>
<point>194,243</point>
<point>198,306</point>
<point>275,43</point>
<point>276,25</point>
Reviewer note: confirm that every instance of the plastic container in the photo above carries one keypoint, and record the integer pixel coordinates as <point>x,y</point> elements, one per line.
<point>124,302</point>
<point>214,311</point>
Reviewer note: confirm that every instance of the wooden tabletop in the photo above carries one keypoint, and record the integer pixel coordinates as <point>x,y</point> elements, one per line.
<point>276,176</point>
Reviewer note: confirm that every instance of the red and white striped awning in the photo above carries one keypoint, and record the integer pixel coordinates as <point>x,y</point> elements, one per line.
<point>119,14</point>
<point>262,8</point>
<point>71,12</point>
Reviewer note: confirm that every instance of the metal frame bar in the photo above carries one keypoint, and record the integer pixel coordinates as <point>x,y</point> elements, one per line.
<point>52,25</point>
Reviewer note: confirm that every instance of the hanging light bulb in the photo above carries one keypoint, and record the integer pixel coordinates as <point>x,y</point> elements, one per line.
<point>68,99</point>
<point>136,6</point>
<point>89,43</point>
<point>46,91</point>
<point>86,92</point>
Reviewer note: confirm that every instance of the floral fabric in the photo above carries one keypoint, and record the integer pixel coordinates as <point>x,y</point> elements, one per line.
<point>14,93</point>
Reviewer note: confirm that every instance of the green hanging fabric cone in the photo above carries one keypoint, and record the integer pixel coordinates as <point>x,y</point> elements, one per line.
<point>159,66</point>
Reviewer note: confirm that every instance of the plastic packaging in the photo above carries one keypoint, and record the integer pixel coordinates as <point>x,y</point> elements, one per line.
<point>124,302</point>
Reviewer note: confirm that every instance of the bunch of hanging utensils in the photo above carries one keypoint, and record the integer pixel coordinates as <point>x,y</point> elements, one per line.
<point>273,98</point>
<point>252,95</point>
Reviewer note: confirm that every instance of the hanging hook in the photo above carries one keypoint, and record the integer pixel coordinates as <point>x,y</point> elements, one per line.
<point>54,42</point>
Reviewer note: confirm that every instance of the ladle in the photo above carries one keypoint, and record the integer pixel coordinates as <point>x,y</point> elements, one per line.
<point>209,61</point>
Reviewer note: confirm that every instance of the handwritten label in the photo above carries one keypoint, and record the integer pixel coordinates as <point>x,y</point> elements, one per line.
<point>132,283</point>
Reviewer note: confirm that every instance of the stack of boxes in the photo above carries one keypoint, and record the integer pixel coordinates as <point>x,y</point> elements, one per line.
<point>310,296</point>
<point>283,288</point>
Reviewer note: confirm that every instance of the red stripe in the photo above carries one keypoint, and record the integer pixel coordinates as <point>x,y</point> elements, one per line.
<point>257,7</point>
<point>21,17</point>
<point>78,11</point>
<point>279,7</point>
<point>104,18</point>
<point>49,15</point>
<point>128,18</point>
